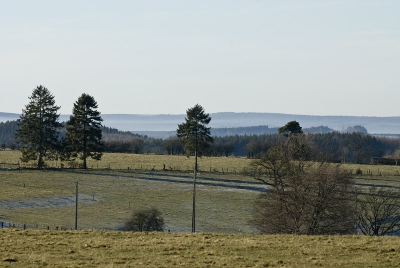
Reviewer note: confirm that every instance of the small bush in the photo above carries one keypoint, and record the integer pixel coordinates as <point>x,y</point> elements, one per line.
<point>358,171</point>
<point>145,219</point>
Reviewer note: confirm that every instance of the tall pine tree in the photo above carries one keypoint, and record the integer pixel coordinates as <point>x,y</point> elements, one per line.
<point>38,127</point>
<point>195,137</point>
<point>84,134</point>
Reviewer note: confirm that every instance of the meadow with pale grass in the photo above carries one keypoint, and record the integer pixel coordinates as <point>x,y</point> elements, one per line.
<point>33,248</point>
<point>45,199</point>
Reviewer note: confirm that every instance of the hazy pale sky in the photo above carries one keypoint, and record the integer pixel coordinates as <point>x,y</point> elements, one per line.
<point>316,57</point>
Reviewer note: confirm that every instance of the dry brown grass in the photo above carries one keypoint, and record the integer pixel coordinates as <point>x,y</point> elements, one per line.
<point>33,248</point>
<point>147,162</point>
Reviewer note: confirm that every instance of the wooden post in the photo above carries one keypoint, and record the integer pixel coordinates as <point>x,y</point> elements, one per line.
<point>194,194</point>
<point>76,208</point>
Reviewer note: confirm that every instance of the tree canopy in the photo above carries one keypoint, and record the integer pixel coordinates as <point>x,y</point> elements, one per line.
<point>38,127</point>
<point>194,134</point>
<point>292,127</point>
<point>83,138</point>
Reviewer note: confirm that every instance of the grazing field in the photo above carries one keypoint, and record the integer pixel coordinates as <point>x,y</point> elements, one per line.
<point>33,248</point>
<point>119,161</point>
<point>107,195</point>
<point>146,162</point>
<point>45,199</point>
<point>106,199</point>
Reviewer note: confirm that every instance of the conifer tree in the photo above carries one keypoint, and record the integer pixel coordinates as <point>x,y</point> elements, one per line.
<point>83,138</point>
<point>38,127</point>
<point>195,137</point>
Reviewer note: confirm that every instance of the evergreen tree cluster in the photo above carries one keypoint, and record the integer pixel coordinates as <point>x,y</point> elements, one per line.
<point>39,130</point>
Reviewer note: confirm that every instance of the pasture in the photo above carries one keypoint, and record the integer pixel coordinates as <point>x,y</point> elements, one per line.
<point>36,248</point>
<point>120,182</point>
<point>111,188</point>
<point>46,198</point>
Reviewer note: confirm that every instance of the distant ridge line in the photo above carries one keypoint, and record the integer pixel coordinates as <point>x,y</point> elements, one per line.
<point>169,122</point>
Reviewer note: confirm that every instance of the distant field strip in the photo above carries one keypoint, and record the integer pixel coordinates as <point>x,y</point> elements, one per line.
<point>46,202</point>
<point>206,181</point>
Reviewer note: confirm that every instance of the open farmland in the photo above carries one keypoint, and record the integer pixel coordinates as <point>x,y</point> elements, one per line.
<point>35,248</point>
<point>107,196</point>
<point>120,182</point>
<point>47,198</point>
<point>120,161</point>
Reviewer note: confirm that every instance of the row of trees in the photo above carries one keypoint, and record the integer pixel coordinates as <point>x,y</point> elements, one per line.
<point>38,131</point>
<point>341,147</point>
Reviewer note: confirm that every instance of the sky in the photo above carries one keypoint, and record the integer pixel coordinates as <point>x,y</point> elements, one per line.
<point>310,57</point>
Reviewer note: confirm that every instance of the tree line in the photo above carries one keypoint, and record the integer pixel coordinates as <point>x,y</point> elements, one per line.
<point>343,147</point>
<point>60,139</point>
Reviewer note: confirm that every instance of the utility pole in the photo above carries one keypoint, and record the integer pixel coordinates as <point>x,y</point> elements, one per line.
<point>76,208</point>
<point>194,195</point>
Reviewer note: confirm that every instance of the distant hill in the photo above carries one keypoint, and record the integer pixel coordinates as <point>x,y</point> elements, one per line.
<point>166,123</point>
<point>4,117</point>
<point>135,123</point>
<point>241,131</point>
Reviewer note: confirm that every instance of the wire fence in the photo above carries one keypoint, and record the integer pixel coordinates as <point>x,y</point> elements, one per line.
<point>25,226</point>
<point>46,200</point>
<point>129,168</point>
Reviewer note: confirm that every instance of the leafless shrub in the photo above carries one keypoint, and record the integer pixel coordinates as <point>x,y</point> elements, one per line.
<point>145,219</point>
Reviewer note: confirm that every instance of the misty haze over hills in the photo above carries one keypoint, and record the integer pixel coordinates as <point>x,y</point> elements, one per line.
<point>138,123</point>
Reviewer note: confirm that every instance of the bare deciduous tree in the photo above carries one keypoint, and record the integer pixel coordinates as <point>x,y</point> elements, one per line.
<point>304,197</point>
<point>378,212</point>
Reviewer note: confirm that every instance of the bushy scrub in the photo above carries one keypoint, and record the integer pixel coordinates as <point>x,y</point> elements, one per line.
<point>145,219</point>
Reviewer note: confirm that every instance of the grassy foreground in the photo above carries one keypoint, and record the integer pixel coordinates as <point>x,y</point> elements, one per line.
<point>33,248</point>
